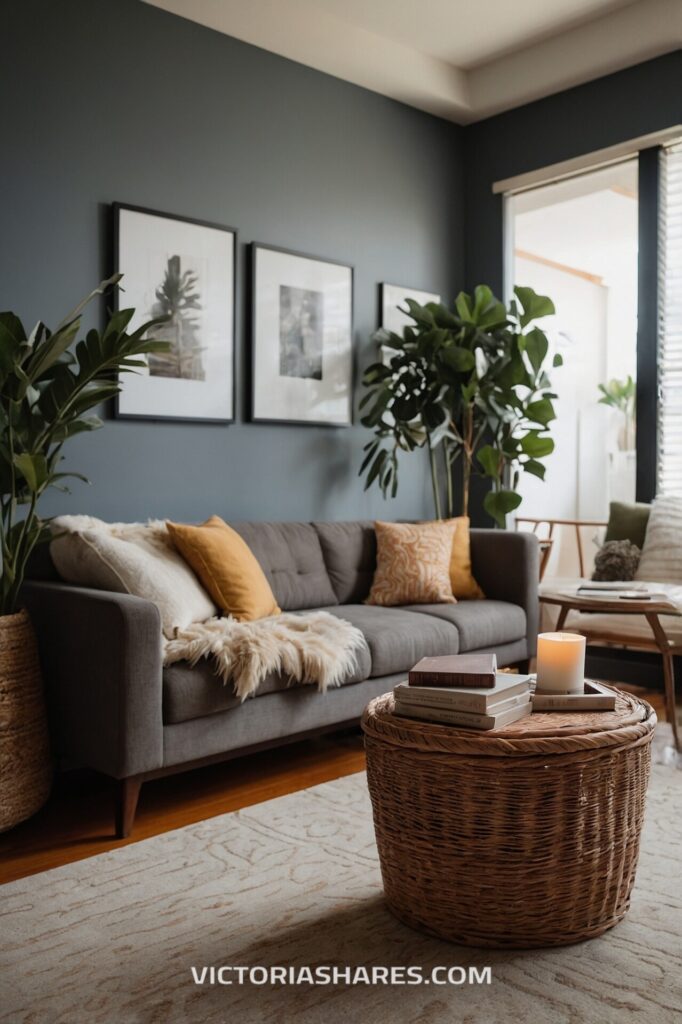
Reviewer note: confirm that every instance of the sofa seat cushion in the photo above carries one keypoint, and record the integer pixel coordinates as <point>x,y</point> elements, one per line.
<point>291,558</point>
<point>190,693</point>
<point>479,623</point>
<point>397,638</point>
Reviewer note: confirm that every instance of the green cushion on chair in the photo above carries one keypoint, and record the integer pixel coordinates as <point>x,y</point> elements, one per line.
<point>628,521</point>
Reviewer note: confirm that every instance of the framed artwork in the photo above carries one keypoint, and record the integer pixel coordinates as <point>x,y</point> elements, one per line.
<point>393,296</point>
<point>183,269</point>
<point>302,338</point>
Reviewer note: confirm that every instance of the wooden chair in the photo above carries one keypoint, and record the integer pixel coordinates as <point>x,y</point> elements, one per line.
<point>547,542</point>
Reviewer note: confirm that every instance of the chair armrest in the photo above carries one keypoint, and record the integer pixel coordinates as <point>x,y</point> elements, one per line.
<point>101,655</point>
<point>506,565</point>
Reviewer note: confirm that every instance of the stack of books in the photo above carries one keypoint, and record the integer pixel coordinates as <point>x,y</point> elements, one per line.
<point>463,690</point>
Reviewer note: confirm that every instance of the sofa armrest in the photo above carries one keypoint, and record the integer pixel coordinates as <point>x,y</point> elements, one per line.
<point>506,564</point>
<point>101,655</point>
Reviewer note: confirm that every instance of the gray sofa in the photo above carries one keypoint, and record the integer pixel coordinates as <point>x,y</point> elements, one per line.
<point>115,708</point>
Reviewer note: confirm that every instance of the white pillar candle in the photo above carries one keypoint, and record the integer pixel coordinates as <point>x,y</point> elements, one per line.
<point>561,663</point>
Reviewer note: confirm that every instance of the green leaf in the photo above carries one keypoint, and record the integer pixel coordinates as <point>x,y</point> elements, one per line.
<point>499,504</point>
<point>535,468</point>
<point>460,359</point>
<point>535,446</point>
<point>376,468</point>
<point>371,452</point>
<point>48,352</point>
<point>534,305</point>
<point>76,427</point>
<point>513,373</point>
<point>558,359</point>
<point>490,459</point>
<point>541,411</point>
<point>464,307</point>
<point>536,348</point>
<point>33,468</point>
<point>99,290</point>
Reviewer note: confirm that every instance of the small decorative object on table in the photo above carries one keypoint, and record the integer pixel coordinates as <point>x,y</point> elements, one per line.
<point>616,560</point>
<point>561,663</point>
<point>482,835</point>
<point>594,697</point>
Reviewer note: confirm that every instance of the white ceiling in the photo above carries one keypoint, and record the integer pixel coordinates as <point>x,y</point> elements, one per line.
<point>459,59</point>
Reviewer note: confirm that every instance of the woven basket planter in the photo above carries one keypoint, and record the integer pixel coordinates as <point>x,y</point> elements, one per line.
<point>524,837</point>
<point>25,767</point>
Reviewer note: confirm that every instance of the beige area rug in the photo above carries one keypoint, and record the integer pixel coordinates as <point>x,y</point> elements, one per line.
<point>295,881</point>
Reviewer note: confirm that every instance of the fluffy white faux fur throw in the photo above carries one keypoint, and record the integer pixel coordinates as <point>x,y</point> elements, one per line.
<point>315,648</point>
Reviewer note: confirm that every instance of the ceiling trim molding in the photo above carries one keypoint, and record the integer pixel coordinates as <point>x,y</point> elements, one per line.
<point>302,31</point>
<point>587,162</point>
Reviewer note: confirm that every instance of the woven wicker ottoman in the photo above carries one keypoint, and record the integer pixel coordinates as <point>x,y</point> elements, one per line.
<point>523,837</point>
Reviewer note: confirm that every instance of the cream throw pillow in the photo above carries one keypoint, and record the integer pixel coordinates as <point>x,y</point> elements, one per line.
<point>661,560</point>
<point>131,558</point>
<point>413,563</point>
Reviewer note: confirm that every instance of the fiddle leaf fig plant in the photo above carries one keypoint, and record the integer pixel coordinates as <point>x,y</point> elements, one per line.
<point>48,389</point>
<point>471,386</point>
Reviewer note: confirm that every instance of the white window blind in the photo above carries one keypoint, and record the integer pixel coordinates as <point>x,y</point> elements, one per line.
<point>669,469</point>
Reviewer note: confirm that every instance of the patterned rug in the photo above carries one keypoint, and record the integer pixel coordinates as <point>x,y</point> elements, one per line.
<point>295,882</point>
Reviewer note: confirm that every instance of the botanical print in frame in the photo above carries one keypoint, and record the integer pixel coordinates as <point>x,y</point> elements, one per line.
<point>183,269</point>
<point>393,296</point>
<point>392,318</point>
<point>302,338</point>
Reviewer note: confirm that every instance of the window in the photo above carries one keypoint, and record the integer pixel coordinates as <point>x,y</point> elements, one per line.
<point>669,468</point>
<point>576,240</point>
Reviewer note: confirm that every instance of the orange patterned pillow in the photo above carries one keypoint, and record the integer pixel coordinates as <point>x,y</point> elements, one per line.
<point>413,564</point>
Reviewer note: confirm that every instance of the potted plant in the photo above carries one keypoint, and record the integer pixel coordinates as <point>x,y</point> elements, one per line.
<point>47,392</point>
<point>621,396</point>
<point>471,386</point>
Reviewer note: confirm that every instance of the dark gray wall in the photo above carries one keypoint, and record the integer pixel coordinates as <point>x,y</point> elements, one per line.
<point>642,99</point>
<point>105,101</point>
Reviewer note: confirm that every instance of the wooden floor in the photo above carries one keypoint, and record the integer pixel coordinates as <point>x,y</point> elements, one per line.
<point>78,819</point>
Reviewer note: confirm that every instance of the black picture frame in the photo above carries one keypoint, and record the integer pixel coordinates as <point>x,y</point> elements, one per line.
<point>117,207</point>
<point>408,293</point>
<point>254,248</point>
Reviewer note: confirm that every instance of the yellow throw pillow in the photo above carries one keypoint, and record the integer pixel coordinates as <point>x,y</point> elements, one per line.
<point>413,564</point>
<point>464,586</point>
<point>227,567</point>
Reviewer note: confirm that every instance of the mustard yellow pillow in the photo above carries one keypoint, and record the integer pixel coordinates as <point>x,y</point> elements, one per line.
<point>227,567</point>
<point>413,563</point>
<point>464,586</point>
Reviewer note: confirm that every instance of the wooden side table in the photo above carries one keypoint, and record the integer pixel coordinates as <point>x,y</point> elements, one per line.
<point>526,836</point>
<point>564,595</point>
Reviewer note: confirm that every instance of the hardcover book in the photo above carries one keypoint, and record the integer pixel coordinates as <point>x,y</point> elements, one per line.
<point>470,670</point>
<point>463,719</point>
<point>481,700</point>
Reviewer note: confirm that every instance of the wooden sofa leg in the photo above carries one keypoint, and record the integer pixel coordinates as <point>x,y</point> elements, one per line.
<point>126,805</point>
<point>523,666</point>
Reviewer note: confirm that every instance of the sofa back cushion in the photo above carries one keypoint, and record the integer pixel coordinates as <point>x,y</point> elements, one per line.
<point>291,557</point>
<point>130,558</point>
<point>227,567</point>
<point>350,555</point>
<point>661,560</point>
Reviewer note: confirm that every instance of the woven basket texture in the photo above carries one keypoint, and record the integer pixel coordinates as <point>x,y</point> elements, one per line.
<point>25,766</point>
<point>523,837</point>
